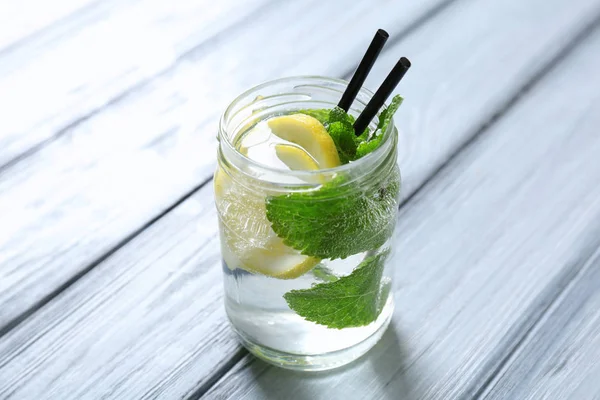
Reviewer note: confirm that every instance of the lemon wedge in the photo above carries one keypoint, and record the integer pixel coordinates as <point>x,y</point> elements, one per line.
<point>295,158</point>
<point>308,133</point>
<point>278,260</point>
<point>247,240</point>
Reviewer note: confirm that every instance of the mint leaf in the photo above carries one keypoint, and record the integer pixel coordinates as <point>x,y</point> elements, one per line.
<point>343,137</point>
<point>351,301</point>
<point>363,137</point>
<point>341,131</point>
<point>365,148</point>
<point>337,220</point>
<point>324,274</point>
<point>322,115</point>
<point>385,117</point>
<point>339,125</point>
<point>336,114</point>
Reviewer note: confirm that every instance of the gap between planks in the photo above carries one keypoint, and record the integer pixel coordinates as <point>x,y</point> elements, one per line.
<point>46,299</point>
<point>556,367</point>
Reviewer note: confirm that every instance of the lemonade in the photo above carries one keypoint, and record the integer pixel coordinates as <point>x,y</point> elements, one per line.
<point>306,212</point>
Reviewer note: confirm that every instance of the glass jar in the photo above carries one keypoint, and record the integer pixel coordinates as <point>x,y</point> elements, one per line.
<point>306,254</point>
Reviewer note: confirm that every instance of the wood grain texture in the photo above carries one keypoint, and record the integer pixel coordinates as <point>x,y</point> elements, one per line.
<point>472,63</point>
<point>482,251</point>
<point>76,68</point>
<point>560,359</point>
<point>107,177</point>
<point>20,20</point>
<point>137,327</point>
<point>66,75</point>
<point>477,249</point>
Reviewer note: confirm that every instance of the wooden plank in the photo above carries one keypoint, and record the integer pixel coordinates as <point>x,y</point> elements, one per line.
<point>22,19</point>
<point>474,68</point>
<point>162,331</point>
<point>482,251</point>
<point>560,360</point>
<point>146,317</point>
<point>101,181</point>
<point>79,66</point>
<point>63,77</point>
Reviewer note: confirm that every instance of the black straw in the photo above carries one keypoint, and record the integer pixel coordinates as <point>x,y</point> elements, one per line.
<point>381,95</point>
<point>363,69</point>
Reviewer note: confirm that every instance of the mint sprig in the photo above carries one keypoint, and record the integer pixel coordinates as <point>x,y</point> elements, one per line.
<point>341,131</point>
<point>350,301</point>
<point>339,125</point>
<point>339,219</point>
<point>385,117</point>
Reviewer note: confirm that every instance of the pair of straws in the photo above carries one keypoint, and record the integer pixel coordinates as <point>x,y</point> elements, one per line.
<point>382,93</point>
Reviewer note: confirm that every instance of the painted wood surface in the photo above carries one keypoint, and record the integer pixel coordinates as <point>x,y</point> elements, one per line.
<point>18,23</point>
<point>483,250</point>
<point>476,271</point>
<point>560,358</point>
<point>111,231</point>
<point>57,79</point>
<point>107,177</point>
<point>146,322</point>
<point>102,182</point>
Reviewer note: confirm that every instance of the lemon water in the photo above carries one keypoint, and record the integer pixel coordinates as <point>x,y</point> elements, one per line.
<point>260,269</point>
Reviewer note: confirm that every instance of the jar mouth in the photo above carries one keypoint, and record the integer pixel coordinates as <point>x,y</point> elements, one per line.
<point>296,96</point>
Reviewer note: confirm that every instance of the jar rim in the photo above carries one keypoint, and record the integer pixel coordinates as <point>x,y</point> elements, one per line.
<point>373,157</point>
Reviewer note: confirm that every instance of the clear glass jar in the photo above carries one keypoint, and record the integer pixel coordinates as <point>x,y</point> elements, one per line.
<point>330,305</point>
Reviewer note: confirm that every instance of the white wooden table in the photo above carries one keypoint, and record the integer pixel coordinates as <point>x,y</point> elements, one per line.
<point>110,280</point>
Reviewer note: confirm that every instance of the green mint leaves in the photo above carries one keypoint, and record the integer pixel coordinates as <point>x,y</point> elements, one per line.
<point>350,301</point>
<point>385,117</point>
<point>342,132</point>
<point>340,220</point>
<point>339,125</point>
<point>337,220</point>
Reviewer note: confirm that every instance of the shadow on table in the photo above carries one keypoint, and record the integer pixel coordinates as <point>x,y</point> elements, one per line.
<point>380,372</point>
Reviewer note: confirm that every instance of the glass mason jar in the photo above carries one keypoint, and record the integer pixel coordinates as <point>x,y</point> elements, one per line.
<point>306,254</point>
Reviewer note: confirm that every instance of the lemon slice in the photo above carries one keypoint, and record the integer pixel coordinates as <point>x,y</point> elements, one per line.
<point>308,133</point>
<point>278,260</point>
<point>248,242</point>
<point>295,158</point>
